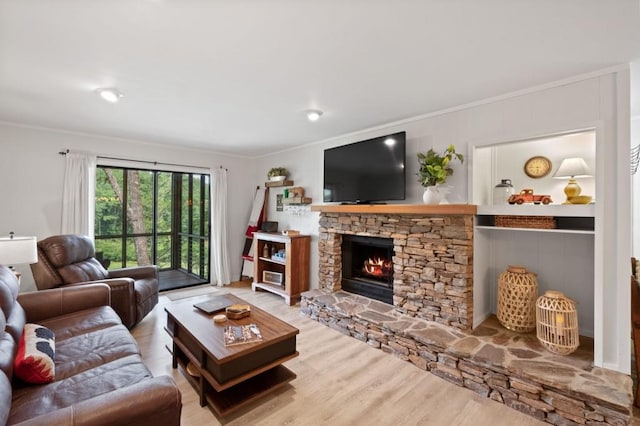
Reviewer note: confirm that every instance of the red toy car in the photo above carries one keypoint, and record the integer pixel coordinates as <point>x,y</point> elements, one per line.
<point>527,196</point>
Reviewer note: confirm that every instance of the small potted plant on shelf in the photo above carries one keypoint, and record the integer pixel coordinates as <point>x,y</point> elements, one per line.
<point>434,170</point>
<point>277,174</point>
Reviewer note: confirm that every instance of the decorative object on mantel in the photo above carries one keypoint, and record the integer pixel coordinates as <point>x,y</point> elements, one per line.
<point>535,222</point>
<point>434,170</point>
<point>431,195</point>
<point>502,192</point>
<point>572,168</point>
<point>517,293</point>
<point>557,323</point>
<point>276,174</point>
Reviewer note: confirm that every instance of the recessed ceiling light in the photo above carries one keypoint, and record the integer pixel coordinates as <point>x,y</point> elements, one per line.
<point>313,114</point>
<point>109,94</point>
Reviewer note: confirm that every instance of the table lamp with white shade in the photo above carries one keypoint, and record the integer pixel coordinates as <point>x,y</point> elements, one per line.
<point>572,168</point>
<point>18,250</point>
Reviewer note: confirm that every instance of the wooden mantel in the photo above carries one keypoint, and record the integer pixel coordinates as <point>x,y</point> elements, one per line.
<point>425,209</point>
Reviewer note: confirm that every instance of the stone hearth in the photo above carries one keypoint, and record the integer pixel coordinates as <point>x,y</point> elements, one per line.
<point>508,367</point>
<point>433,260</point>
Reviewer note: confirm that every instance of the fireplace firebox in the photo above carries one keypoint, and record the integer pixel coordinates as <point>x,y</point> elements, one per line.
<point>367,266</point>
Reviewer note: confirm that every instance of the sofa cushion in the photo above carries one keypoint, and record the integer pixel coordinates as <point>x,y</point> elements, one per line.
<point>30,402</point>
<point>72,258</point>
<point>34,362</point>
<point>62,250</point>
<point>86,270</point>
<point>87,351</point>
<point>81,322</point>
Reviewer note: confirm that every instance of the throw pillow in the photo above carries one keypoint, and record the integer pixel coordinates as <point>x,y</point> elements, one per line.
<point>34,361</point>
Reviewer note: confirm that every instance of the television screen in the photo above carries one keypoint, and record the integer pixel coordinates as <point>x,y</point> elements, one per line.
<point>366,171</point>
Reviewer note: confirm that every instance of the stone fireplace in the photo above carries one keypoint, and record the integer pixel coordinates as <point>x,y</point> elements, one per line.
<point>429,322</point>
<point>432,259</point>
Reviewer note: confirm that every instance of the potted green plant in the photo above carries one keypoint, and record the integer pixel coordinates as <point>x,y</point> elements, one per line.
<point>434,170</point>
<point>277,174</point>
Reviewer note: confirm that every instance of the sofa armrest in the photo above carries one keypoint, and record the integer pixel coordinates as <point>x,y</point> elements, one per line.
<point>39,305</point>
<point>123,297</point>
<point>136,272</point>
<point>156,401</point>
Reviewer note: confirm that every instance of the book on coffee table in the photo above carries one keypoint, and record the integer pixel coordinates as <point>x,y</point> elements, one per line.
<point>238,334</point>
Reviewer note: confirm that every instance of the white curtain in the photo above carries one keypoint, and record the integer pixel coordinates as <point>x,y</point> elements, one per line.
<point>78,194</point>
<point>220,274</point>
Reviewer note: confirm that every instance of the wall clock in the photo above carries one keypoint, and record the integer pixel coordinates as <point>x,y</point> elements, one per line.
<point>537,167</point>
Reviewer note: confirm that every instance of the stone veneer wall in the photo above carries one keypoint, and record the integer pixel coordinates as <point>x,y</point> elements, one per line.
<point>433,261</point>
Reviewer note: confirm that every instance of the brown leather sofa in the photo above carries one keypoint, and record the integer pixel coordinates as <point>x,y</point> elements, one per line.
<point>70,260</point>
<point>99,376</point>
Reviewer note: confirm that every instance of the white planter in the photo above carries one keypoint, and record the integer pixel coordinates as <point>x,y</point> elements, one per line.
<point>431,195</point>
<point>277,178</point>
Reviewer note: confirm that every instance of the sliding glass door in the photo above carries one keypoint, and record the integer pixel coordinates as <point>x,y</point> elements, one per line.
<point>146,217</point>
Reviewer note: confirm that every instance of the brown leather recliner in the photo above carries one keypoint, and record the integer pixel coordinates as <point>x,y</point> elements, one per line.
<point>65,260</point>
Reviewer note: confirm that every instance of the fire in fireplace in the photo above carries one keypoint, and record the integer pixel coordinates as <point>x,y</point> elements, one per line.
<point>367,266</point>
<point>378,267</point>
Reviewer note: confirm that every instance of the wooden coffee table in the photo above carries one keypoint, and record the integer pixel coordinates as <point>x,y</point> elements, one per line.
<point>227,378</point>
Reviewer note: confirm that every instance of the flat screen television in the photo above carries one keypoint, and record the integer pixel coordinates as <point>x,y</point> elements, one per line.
<point>368,171</point>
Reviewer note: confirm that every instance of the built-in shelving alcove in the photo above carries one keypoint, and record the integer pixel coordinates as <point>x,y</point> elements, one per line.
<point>563,258</point>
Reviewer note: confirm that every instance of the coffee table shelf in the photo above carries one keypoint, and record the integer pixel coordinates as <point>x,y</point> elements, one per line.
<point>226,398</point>
<point>226,402</point>
<point>185,357</point>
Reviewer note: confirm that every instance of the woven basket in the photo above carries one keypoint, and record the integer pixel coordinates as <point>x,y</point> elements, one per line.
<point>557,323</point>
<point>538,222</point>
<point>517,292</point>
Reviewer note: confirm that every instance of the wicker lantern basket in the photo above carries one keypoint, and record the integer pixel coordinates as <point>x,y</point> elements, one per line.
<point>517,293</point>
<point>557,323</point>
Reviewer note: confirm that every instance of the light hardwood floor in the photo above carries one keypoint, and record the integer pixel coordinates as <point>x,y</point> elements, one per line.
<point>341,381</point>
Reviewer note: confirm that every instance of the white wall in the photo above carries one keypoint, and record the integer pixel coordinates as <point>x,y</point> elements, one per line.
<point>635,141</point>
<point>31,172</point>
<point>584,102</point>
<point>635,196</point>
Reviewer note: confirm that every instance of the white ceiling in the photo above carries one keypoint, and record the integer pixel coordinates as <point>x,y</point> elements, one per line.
<point>235,76</point>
